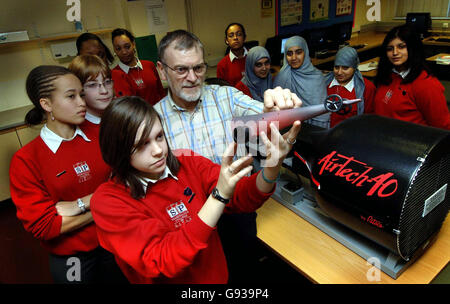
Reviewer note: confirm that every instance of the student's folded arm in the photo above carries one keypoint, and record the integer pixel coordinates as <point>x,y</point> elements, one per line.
<point>72,223</point>
<point>35,207</point>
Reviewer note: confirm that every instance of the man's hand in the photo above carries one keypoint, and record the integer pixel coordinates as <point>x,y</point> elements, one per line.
<point>280,99</point>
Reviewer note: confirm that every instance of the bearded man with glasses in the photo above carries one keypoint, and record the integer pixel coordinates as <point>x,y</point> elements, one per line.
<point>198,117</point>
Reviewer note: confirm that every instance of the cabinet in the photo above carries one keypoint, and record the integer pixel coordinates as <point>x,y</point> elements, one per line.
<point>53,38</point>
<point>10,144</point>
<point>12,140</point>
<point>26,134</point>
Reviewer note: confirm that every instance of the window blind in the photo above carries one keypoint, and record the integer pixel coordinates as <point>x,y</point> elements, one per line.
<point>437,8</point>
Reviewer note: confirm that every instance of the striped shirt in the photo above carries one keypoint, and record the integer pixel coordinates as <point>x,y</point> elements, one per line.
<point>207,129</point>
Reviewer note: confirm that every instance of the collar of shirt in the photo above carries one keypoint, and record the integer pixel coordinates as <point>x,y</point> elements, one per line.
<point>145,180</point>
<point>349,86</point>
<point>232,56</point>
<point>92,118</point>
<point>53,141</point>
<point>126,68</point>
<point>402,74</point>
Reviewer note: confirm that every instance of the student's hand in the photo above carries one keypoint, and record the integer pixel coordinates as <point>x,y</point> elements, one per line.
<point>278,147</point>
<point>280,99</point>
<point>66,208</point>
<point>70,208</point>
<point>232,171</point>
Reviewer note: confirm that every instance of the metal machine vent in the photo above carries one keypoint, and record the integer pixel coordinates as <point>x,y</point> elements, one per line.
<point>416,229</point>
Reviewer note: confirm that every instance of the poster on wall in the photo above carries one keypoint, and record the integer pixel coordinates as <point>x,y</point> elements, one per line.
<point>290,12</point>
<point>319,10</point>
<point>157,16</point>
<point>266,8</point>
<point>344,7</point>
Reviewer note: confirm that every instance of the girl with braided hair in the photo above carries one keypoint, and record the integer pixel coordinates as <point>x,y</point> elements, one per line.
<point>52,179</point>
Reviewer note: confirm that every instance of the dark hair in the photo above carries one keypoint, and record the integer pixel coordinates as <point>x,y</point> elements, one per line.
<point>89,36</point>
<point>416,57</point>
<point>118,128</point>
<point>238,24</point>
<point>184,41</point>
<point>39,84</point>
<point>88,67</point>
<point>120,32</point>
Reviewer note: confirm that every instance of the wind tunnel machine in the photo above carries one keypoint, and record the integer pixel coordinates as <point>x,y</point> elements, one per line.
<point>383,178</point>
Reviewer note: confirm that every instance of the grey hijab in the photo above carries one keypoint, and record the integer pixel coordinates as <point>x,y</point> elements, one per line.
<point>256,85</point>
<point>307,81</point>
<point>348,56</point>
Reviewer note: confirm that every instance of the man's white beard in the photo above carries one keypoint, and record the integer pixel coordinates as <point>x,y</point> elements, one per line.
<point>191,97</point>
<point>187,97</point>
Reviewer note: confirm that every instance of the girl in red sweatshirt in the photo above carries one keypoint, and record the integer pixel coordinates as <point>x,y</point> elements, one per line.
<point>95,76</point>
<point>231,68</point>
<point>52,179</point>
<point>347,81</point>
<point>405,88</point>
<point>132,76</point>
<point>158,214</point>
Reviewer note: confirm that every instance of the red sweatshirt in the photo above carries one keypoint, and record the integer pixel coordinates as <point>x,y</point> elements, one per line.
<point>160,238</point>
<point>90,129</point>
<point>421,101</point>
<point>40,178</point>
<point>232,72</point>
<point>139,82</point>
<point>369,94</point>
<point>243,88</point>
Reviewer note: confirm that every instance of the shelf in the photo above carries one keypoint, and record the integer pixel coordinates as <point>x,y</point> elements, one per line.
<point>13,118</point>
<point>63,36</point>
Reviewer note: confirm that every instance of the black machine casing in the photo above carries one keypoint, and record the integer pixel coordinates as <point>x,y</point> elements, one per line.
<point>384,178</point>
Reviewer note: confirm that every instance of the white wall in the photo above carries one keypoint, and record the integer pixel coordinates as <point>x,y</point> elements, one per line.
<point>43,18</point>
<point>211,17</point>
<point>48,17</point>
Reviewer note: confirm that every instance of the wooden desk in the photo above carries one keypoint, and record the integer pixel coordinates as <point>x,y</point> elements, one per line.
<point>440,66</point>
<point>373,40</point>
<point>432,40</point>
<point>372,73</point>
<point>324,260</point>
<point>433,58</point>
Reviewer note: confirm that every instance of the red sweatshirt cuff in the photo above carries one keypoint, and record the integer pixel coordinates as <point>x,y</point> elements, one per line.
<point>199,229</point>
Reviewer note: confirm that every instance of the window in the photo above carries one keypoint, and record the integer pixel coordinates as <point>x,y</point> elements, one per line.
<point>437,8</point>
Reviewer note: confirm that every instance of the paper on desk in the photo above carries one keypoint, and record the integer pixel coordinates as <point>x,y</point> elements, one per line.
<point>443,60</point>
<point>366,67</point>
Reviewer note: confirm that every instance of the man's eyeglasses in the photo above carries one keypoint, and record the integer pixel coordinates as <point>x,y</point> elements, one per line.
<point>182,71</point>
<point>93,85</point>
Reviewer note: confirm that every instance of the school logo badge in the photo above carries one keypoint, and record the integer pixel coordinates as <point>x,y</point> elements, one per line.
<point>140,83</point>
<point>178,213</point>
<point>83,172</point>
<point>388,96</point>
